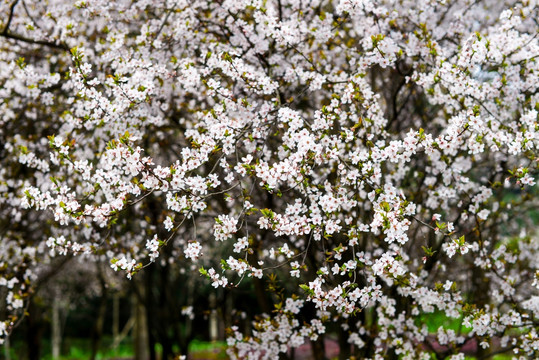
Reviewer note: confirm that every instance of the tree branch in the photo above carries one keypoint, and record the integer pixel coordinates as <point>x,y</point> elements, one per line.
<point>33,41</point>
<point>11,11</point>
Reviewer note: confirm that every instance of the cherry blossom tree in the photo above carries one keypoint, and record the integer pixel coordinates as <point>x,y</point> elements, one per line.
<point>362,164</point>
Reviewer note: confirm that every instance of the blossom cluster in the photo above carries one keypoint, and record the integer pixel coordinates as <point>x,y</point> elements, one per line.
<point>375,162</point>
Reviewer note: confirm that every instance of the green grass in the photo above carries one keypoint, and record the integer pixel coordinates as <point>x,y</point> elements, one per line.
<point>74,349</point>
<point>438,318</point>
<point>207,350</point>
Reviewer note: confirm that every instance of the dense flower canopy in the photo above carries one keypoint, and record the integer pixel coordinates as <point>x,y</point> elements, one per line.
<point>372,161</point>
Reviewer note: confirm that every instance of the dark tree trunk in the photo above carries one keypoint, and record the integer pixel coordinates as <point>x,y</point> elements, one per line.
<point>319,350</point>
<point>140,330</point>
<point>97,332</point>
<point>344,346</point>
<point>168,305</point>
<point>34,332</point>
<point>185,337</point>
<point>150,311</point>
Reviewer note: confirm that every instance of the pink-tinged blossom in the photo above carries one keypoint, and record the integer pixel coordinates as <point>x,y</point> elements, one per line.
<point>193,250</point>
<point>224,227</point>
<point>153,247</point>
